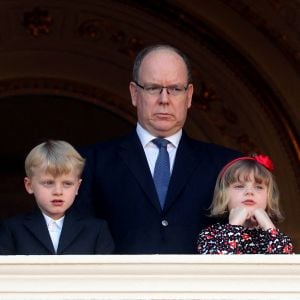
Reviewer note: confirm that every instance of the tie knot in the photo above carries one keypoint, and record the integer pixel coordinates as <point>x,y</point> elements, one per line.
<point>160,142</point>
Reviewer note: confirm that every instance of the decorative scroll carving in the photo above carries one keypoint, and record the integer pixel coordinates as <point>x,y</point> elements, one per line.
<point>204,97</point>
<point>37,22</point>
<point>99,29</point>
<point>223,118</point>
<point>92,29</point>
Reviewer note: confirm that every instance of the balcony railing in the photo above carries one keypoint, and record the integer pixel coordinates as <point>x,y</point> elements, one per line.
<point>246,277</point>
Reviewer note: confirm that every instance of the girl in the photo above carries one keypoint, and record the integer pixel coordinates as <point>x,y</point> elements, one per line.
<point>247,193</point>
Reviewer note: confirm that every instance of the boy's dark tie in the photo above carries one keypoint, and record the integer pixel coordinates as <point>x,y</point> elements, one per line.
<point>161,175</point>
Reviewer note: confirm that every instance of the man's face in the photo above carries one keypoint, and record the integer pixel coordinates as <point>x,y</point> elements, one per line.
<point>163,114</point>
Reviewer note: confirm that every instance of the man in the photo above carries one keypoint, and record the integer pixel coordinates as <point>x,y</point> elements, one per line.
<point>155,199</point>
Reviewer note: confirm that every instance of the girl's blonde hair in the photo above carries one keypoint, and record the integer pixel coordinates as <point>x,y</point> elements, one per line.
<point>239,171</point>
<point>54,157</point>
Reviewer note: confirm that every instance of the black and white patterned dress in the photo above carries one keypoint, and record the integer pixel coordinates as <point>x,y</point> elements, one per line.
<point>234,239</point>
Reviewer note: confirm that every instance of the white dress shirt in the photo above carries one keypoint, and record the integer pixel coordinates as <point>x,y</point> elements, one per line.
<point>54,228</point>
<point>151,150</point>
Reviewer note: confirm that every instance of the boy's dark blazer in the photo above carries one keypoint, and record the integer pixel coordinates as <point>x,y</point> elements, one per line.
<point>28,235</point>
<point>118,186</point>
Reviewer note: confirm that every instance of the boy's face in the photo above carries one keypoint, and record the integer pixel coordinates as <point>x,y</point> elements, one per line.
<point>54,195</point>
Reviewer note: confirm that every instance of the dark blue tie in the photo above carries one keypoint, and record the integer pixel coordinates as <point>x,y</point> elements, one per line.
<point>161,175</point>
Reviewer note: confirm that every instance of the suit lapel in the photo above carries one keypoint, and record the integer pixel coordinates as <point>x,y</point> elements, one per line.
<point>36,224</point>
<point>187,159</point>
<point>133,155</point>
<point>70,231</point>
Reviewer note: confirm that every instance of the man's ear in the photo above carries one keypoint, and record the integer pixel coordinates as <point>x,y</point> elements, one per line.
<point>190,95</point>
<point>28,185</point>
<point>133,93</point>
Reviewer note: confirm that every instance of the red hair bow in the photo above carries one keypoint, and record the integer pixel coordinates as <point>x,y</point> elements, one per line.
<point>265,161</point>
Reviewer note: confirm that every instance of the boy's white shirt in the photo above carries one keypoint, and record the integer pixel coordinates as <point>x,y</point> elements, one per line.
<point>54,228</point>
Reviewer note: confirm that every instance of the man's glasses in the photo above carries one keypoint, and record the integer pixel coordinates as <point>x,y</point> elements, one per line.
<point>156,90</point>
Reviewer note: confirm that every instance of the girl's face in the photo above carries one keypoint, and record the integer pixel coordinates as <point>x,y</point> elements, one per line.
<point>249,194</point>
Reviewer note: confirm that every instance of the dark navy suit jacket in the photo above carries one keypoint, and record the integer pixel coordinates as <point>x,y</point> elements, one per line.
<point>118,186</point>
<point>28,235</point>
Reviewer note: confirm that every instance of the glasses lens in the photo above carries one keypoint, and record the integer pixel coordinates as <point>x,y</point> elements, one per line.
<point>176,90</point>
<point>153,89</point>
<point>156,90</point>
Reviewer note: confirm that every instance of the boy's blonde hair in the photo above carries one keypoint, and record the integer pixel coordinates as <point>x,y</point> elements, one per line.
<point>239,171</point>
<point>54,157</point>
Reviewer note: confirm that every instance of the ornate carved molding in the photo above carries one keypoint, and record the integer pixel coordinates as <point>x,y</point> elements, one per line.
<point>37,22</point>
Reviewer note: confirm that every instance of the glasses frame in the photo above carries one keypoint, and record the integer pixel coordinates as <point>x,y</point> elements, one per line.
<point>161,89</point>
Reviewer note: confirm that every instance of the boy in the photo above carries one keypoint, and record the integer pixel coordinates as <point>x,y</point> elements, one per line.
<point>53,171</point>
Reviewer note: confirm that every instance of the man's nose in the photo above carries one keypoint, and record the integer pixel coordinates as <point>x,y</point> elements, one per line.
<point>164,95</point>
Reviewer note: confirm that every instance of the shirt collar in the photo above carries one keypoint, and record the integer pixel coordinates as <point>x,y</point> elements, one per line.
<point>58,222</point>
<point>145,137</point>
